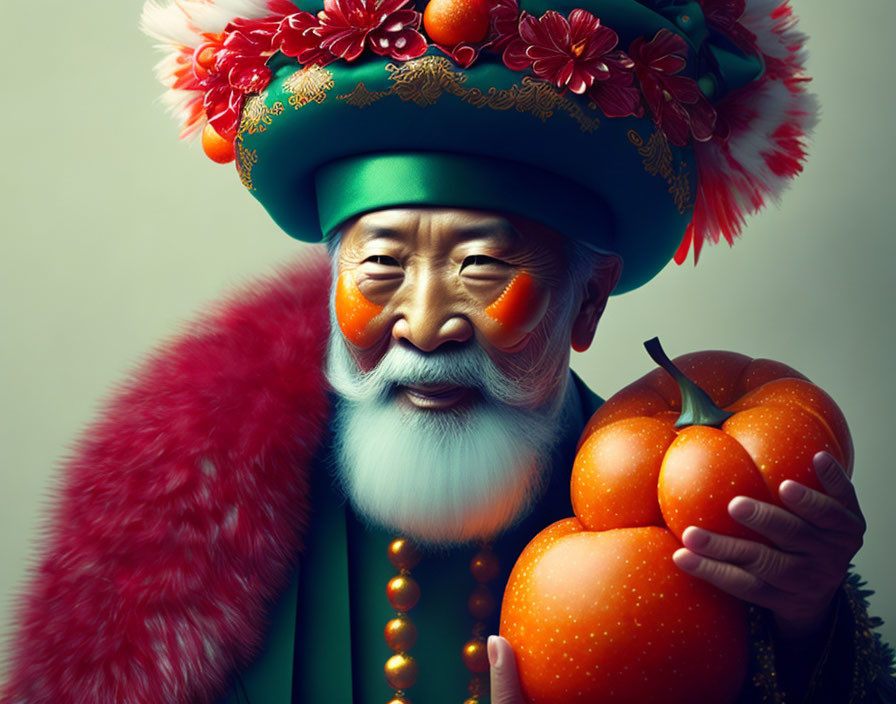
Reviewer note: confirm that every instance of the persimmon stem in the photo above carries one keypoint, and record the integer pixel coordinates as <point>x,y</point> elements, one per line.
<point>697,408</point>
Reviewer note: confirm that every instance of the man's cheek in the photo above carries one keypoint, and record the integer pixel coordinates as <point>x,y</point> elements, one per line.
<point>516,312</point>
<point>356,314</point>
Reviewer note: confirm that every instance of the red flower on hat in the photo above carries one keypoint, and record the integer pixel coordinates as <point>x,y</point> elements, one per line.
<point>567,52</point>
<point>576,53</point>
<point>387,29</point>
<point>679,108</point>
<point>296,36</point>
<point>230,65</point>
<point>618,96</point>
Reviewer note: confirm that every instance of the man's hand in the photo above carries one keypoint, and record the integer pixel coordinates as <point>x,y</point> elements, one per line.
<point>505,682</point>
<point>813,544</point>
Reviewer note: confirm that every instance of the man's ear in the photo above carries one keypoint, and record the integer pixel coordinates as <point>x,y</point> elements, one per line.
<point>601,284</point>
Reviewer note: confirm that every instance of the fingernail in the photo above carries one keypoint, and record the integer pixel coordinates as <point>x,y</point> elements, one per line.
<point>685,559</point>
<point>695,538</point>
<point>822,457</point>
<point>791,491</point>
<point>494,653</point>
<point>824,462</point>
<point>741,508</point>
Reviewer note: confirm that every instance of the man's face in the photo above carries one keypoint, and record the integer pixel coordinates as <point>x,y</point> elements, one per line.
<point>439,279</point>
<point>450,354</point>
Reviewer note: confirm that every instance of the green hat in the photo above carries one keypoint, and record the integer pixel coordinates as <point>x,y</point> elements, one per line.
<point>638,128</point>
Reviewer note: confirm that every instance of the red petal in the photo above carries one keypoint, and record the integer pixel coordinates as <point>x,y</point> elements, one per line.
<point>515,57</point>
<point>603,41</point>
<point>617,100</point>
<point>703,119</point>
<point>682,88</point>
<point>582,25</point>
<point>580,81</point>
<point>403,46</point>
<point>663,44</point>
<point>388,7</point>
<point>552,29</point>
<point>668,64</point>
<point>462,54</point>
<point>346,43</point>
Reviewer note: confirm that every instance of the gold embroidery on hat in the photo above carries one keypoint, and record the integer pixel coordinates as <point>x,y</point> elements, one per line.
<point>308,85</point>
<point>256,114</point>
<point>656,156</point>
<point>423,81</point>
<point>245,160</point>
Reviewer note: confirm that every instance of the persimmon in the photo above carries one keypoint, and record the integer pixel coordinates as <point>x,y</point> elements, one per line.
<point>450,22</point>
<point>742,427</point>
<point>595,609</point>
<point>217,147</point>
<point>606,616</point>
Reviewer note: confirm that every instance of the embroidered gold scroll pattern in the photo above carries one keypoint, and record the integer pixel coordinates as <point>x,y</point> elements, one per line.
<point>245,160</point>
<point>257,115</point>
<point>308,85</point>
<point>656,156</point>
<point>423,81</point>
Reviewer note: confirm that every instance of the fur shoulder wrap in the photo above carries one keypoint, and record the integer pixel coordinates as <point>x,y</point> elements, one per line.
<point>181,510</point>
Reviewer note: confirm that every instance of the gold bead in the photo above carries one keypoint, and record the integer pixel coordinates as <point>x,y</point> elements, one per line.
<point>403,554</point>
<point>472,700</point>
<point>401,671</point>
<point>475,656</point>
<point>481,602</point>
<point>485,565</point>
<point>399,700</point>
<point>403,592</point>
<point>401,634</point>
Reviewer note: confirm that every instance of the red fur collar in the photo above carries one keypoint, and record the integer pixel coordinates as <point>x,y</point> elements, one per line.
<point>182,509</point>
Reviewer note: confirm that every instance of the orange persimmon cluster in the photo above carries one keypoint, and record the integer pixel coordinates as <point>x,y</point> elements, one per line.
<point>595,609</point>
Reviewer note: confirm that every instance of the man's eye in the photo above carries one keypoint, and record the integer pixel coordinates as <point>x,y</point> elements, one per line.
<point>382,260</point>
<point>480,260</point>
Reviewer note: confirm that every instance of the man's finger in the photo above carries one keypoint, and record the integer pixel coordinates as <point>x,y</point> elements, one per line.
<point>821,510</point>
<point>785,529</point>
<point>835,482</point>
<point>505,682</point>
<point>729,578</point>
<point>768,564</point>
<point>720,547</point>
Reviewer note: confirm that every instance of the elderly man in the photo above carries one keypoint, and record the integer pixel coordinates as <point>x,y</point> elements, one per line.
<point>232,521</point>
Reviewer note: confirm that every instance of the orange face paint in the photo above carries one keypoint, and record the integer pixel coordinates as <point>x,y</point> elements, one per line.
<point>519,308</point>
<point>354,312</point>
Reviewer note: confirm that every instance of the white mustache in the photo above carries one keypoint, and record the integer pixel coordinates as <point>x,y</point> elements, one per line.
<point>468,366</point>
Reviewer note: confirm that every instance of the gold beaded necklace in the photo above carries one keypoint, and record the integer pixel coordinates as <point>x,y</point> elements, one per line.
<point>403,593</point>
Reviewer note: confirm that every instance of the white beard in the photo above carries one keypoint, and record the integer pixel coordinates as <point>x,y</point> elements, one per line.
<point>442,477</point>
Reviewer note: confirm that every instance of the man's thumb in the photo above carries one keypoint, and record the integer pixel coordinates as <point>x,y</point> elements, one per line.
<point>505,682</point>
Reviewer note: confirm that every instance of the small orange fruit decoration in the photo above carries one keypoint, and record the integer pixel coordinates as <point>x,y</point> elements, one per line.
<point>450,22</point>
<point>595,609</point>
<point>217,147</point>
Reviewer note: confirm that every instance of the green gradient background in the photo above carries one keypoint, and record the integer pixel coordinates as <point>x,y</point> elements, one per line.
<point>113,232</point>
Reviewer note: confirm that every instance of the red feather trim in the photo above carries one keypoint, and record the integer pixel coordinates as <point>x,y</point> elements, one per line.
<point>182,510</point>
<point>760,143</point>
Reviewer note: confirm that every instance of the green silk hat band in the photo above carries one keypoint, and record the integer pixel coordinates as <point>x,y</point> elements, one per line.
<point>355,185</point>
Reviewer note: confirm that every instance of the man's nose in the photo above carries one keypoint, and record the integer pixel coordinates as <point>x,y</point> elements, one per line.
<point>430,317</point>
